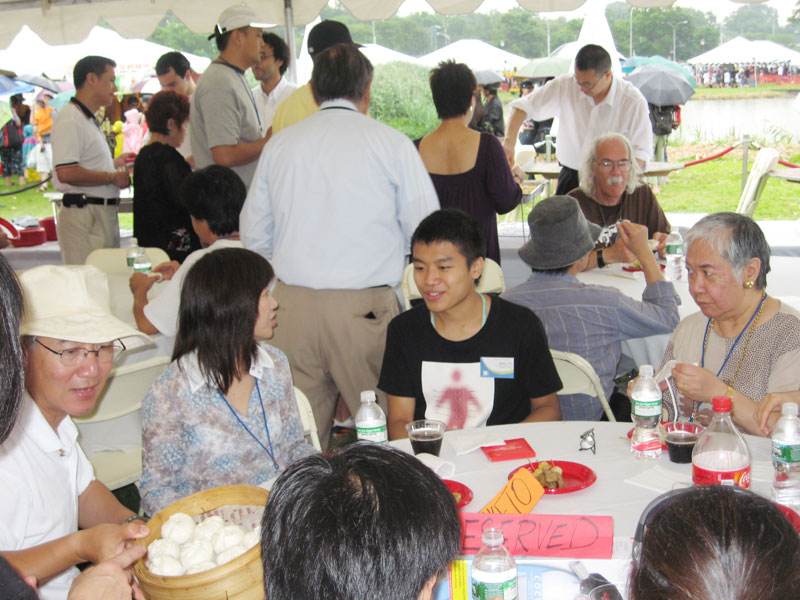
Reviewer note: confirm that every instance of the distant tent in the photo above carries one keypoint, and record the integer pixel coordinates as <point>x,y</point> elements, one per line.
<point>742,50</point>
<point>476,54</point>
<point>379,55</point>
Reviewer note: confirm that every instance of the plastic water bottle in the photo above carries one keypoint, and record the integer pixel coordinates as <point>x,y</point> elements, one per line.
<point>674,254</point>
<point>133,250</point>
<point>494,571</point>
<point>721,455</point>
<point>786,456</point>
<point>646,413</point>
<point>370,420</point>
<point>141,262</point>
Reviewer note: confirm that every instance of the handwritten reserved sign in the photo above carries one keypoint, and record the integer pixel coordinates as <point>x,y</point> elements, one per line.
<point>558,536</point>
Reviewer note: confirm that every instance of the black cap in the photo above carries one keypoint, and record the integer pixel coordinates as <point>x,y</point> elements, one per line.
<point>327,33</point>
<point>527,84</point>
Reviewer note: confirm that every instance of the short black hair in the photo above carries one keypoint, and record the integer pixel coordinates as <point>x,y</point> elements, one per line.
<point>340,71</point>
<point>218,311</point>
<point>279,49</point>
<point>452,87</point>
<point>222,40</point>
<point>132,101</point>
<point>454,226</point>
<point>90,64</point>
<point>11,362</point>
<point>216,195</point>
<point>172,60</point>
<point>592,58</point>
<point>368,521</point>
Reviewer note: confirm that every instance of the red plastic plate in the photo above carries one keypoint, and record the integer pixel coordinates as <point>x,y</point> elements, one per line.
<point>576,476</point>
<point>459,488</point>
<point>10,230</point>
<point>793,517</point>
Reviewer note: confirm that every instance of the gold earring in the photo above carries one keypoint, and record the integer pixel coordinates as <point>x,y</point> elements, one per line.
<point>749,285</point>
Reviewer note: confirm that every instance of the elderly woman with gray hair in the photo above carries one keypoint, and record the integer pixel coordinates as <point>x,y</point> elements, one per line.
<point>743,343</point>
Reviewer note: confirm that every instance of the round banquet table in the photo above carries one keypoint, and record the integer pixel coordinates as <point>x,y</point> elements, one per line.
<point>612,494</point>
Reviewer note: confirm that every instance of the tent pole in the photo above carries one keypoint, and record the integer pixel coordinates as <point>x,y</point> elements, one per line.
<point>290,39</point>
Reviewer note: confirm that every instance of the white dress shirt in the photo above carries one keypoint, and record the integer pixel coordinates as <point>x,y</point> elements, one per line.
<point>623,110</point>
<point>335,200</point>
<point>267,104</point>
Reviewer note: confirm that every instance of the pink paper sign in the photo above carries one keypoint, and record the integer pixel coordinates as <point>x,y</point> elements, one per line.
<point>557,536</point>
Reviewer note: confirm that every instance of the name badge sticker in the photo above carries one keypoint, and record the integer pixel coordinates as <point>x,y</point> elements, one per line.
<point>497,367</point>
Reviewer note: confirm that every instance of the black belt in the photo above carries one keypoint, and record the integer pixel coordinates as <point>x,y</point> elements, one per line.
<point>81,200</point>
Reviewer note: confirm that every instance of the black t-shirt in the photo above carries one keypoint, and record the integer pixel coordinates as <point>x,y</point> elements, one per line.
<point>12,586</point>
<point>487,379</point>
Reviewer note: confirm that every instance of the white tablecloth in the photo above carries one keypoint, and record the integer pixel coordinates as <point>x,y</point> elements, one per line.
<point>609,495</point>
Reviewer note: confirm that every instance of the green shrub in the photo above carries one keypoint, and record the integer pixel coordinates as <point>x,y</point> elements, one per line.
<point>401,98</point>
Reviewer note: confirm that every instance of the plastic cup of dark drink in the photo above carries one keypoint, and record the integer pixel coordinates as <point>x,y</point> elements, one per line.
<point>680,438</point>
<point>426,436</point>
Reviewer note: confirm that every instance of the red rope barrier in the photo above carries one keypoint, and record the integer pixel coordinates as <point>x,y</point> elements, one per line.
<point>707,158</point>
<point>788,164</point>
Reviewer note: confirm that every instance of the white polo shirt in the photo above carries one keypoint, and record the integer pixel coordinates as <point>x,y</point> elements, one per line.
<point>78,140</point>
<point>267,104</point>
<point>42,473</point>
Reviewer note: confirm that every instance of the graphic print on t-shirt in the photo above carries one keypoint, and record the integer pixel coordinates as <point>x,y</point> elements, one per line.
<point>457,394</point>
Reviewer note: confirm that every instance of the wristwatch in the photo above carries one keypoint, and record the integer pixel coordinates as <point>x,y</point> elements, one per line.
<point>600,262</point>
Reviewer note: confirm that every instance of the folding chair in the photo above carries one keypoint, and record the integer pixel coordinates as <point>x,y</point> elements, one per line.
<point>579,377</point>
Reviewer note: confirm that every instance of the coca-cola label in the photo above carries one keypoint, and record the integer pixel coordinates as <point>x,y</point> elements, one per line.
<point>739,478</point>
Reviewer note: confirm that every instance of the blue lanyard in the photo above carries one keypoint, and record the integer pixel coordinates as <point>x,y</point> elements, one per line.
<point>736,341</point>
<point>270,452</point>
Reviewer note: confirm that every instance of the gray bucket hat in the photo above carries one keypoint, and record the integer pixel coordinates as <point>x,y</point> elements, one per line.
<point>560,234</point>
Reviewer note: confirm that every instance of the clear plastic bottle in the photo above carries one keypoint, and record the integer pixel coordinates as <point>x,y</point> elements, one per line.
<point>370,420</point>
<point>786,456</point>
<point>646,413</point>
<point>721,455</point>
<point>674,254</point>
<point>133,250</point>
<point>141,262</point>
<point>494,571</point>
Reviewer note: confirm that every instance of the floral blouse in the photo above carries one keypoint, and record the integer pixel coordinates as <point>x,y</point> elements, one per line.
<point>192,441</point>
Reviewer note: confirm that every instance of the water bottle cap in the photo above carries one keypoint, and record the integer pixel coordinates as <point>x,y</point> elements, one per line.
<point>789,409</point>
<point>646,370</point>
<point>493,537</point>
<point>722,404</point>
<point>368,396</point>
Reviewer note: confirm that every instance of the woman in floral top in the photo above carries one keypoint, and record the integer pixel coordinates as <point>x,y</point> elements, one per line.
<point>224,411</point>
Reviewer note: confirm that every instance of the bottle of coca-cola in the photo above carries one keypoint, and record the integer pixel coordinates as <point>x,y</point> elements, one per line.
<point>721,455</point>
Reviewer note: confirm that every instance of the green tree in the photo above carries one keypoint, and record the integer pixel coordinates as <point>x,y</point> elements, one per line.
<point>754,21</point>
<point>173,33</point>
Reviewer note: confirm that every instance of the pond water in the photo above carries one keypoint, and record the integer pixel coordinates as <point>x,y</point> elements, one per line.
<point>763,119</point>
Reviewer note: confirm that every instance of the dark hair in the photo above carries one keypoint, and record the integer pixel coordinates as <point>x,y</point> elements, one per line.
<point>218,310</point>
<point>557,271</point>
<point>716,542</point>
<point>279,49</point>
<point>222,40</point>
<point>132,101</point>
<point>340,71</point>
<point>452,86</point>
<point>172,60</point>
<point>216,195</point>
<point>164,106</point>
<point>90,64</point>
<point>592,58</point>
<point>454,226</point>
<point>12,374</point>
<point>369,521</point>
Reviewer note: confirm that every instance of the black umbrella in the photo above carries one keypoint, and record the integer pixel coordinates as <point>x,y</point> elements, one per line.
<point>40,81</point>
<point>661,85</point>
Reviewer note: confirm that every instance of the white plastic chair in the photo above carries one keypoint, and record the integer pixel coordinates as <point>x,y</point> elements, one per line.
<point>113,261</point>
<point>765,161</point>
<point>307,418</point>
<point>492,282</point>
<point>579,377</point>
<point>122,396</point>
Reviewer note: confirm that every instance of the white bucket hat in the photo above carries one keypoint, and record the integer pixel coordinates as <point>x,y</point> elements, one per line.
<point>72,303</point>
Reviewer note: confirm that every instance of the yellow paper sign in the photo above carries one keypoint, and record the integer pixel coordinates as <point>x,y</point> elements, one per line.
<point>518,496</point>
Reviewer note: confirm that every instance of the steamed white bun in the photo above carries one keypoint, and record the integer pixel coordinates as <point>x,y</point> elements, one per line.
<point>208,527</point>
<point>195,552</point>
<point>251,538</point>
<point>163,546</point>
<point>178,528</point>
<point>227,537</point>
<point>229,554</point>
<point>206,565</point>
<point>163,564</point>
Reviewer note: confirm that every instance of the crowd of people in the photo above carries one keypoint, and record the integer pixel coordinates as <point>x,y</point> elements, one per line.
<point>289,218</point>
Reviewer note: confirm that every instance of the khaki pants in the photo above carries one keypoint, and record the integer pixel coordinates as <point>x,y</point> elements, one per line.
<point>334,340</point>
<point>81,230</point>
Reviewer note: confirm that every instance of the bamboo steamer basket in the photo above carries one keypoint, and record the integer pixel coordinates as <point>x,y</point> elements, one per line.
<point>239,579</point>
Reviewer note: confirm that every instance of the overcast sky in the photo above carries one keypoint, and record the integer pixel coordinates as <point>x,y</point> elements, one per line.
<point>721,8</point>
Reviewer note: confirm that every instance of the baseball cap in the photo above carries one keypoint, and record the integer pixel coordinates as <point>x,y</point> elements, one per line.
<point>327,33</point>
<point>236,17</point>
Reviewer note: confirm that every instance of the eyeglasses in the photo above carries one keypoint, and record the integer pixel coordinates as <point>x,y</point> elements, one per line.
<point>72,357</point>
<point>585,85</point>
<point>606,164</point>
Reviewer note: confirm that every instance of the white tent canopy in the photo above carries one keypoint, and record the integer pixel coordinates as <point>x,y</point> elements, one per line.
<point>70,23</point>
<point>742,50</point>
<point>135,59</point>
<point>379,55</point>
<point>476,54</point>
